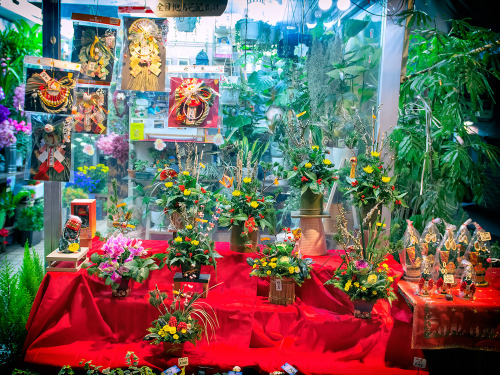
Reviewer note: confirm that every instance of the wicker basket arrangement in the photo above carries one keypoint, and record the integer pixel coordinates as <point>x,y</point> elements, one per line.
<point>282,291</point>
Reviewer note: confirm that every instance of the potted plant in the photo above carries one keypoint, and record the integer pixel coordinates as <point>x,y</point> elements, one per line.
<point>363,274</point>
<point>193,246</point>
<point>131,170</point>
<point>8,204</point>
<point>123,259</point>
<point>29,223</point>
<point>183,320</point>
<point>248,210</point>
<point>311,171</point>
<point>69,194</point>
<point>247,31</point>
<point>140,169</point>
<point>283,264</point>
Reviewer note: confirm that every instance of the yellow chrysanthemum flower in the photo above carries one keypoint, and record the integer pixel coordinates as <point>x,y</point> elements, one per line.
<point>368,169</point>
<point>185,173</point>
<point>375,154</point>
<point>254,266</point>
<point>236,193</point>
<point>327,162</point>
<point>372,279</point>
<point>92,168</point>
<point>315,148</point>
<point>297,270</point>
<point>268,272</point>
<point>364,288</point>
<point>254,204</point>
<point>178,239</point>
<point>273,265</point>
<point>356,284</point>
<point>187,192</point>
<point>183,331</point>
<point>274,259</point>
<point>346,288</point>
<point>264,264</point>
<point>176,337</point>
<point>374,292</point>
<point>291,270</point>
<point>390,279</point>
<point>169,184</point>
<point>308,165</point>
<point>386,179</point>
<point>247,180</point>
<point>195,242</point>
<point>189,226</point>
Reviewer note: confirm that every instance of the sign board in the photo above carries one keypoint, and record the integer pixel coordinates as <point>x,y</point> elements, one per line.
<point>188,8</point>
<point>182,362</point>
<point>419,362</point>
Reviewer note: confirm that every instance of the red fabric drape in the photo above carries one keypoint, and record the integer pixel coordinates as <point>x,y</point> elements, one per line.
<point>74,317</point>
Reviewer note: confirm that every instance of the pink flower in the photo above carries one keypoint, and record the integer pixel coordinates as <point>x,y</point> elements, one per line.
<point>88,149</point>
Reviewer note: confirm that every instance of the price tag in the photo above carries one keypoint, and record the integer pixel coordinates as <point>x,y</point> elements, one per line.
<point>449,279</point>
<point>289,368</point>
<point>279,286</point>
<point>182,362</point>
<point>485,236</point>
<point>172,370</point>
<point>419,362</point>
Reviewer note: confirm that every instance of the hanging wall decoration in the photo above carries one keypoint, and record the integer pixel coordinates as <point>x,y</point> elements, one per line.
<point>91,110</point>
<point>51,148</point>
<point>144,56</point>
<point>194,102</point>
<point>49,90</point>
<point>94,49</point>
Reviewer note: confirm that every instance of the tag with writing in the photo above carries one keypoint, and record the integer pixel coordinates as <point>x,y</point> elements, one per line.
<point>45,76</point>
<point>279,285</point>
<point>485,236</point>
<point>289,368</point>
<point>172,370</point>
<point>419,362</point>
<point>449,279</point>
<point>183,361</point>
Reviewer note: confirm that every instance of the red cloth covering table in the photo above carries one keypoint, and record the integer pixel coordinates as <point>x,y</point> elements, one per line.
<point>74,317</point>
<point>442,324</point>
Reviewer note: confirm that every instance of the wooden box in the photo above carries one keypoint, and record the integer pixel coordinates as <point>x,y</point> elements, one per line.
<point>85,210</point>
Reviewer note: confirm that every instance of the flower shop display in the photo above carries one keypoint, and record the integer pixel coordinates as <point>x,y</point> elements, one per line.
<point>93,179</point>
<point>478,254</point>
<point>248,210</point>
<point>144,66</point>
<point>410,256</point>
<point>70,237</point>
<point>431,237</point>
<point>468,282</point>
<point>193,247</point>
<point>312,171</point>
<point>182,196</point>
<point>123,259</point>
<point>284,265</point>
<point>184,319</point>
<point>94,47</point>
<point>363,274</point>
<point>118,213</point>
<point>194,102</point>
<point>426,282</point>
<point>50,158</point>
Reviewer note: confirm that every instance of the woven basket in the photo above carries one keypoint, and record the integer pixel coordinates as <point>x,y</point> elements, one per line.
<point>282,291</point>
<point>412,274</point>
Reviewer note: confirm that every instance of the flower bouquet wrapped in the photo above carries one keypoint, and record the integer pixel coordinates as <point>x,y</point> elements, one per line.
<point>183,320</point>
<point>123,259</point>
<point>283,263</point>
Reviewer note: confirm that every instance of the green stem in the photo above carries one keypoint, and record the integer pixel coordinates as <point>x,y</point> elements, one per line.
<point>362,231</point>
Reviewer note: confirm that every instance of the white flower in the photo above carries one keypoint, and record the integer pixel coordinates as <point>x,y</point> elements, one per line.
<point>218,139</point>
<point>301,50</point>
<point>160,145</point>
<point>88,149</point>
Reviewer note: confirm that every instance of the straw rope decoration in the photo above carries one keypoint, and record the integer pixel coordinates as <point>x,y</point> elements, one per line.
<point>145,61</point>
<point>96,53</point>
<point>193,99</point>
<point>55,96</point>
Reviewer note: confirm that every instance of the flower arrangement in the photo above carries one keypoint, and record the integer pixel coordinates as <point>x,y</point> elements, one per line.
<point>193,246</point>
<point>118,213</point>
<point>93,178</point>
<point>183,320</point>
<point>282,259</point>
<point>248,208</point>
<point>114,145</point>
<point>369,181</point>
<point>363,273</point>
<point>122,257</point>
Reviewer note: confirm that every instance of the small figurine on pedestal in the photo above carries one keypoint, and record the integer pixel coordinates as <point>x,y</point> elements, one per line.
<point>426,283</point>
<point>70,239</point>
<point>468,285</point>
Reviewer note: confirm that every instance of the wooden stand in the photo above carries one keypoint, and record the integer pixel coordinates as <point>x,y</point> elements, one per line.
<point>77,259</point>
<point>313,241</point>
<point>204,279</point>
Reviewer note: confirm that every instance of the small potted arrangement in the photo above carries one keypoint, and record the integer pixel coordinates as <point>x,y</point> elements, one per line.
<point>133,157</point>
<point>29,224</point>
<point>123,259</point>
<point>363,274</point>
<point>193,246</point>
<point>183,320</point>
<point>140,169</point>
<point>284,265</point>
<point>248,210</point>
